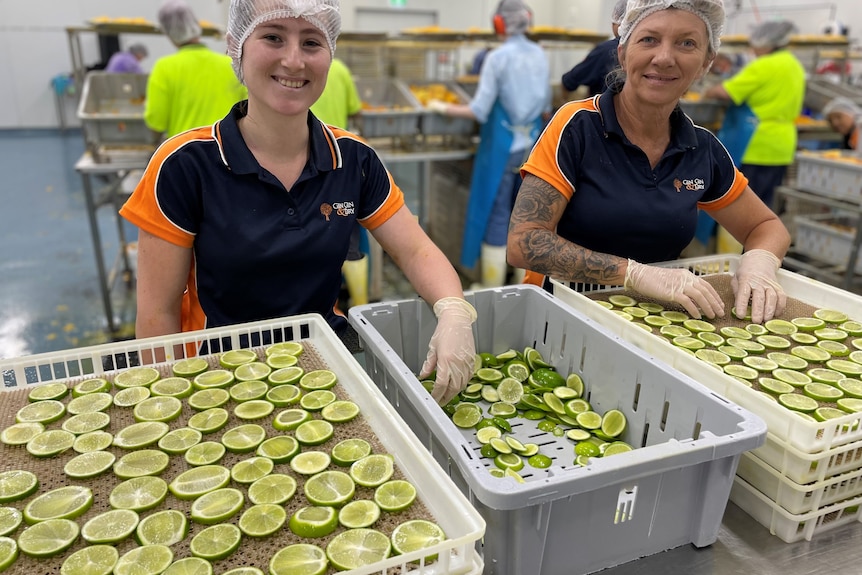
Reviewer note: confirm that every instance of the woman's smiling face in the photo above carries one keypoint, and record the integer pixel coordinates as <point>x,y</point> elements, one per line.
<point>666,52</point>
<point>284,65</point>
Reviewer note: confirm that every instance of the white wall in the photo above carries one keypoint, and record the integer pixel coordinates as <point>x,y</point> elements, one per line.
<point>34,46</point>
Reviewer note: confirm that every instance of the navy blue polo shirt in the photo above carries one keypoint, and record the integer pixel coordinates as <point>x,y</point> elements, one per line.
<point>620,205</point>
<point>594,69</point>
<point>260,251</point>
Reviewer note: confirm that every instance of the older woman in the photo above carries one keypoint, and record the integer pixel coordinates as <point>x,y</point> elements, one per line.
<point>250,218</point>
<point>615,181</point>
<point>843,115</point>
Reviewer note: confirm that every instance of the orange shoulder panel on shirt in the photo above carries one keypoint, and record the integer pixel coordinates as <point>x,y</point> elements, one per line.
<point>542,162</point>
<point>142,209</point>
<point>740,182</point>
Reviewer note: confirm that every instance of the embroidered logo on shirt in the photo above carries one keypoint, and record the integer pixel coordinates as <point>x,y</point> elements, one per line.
<point>677,184</point>
<point>325,209</point>
<point>693,185</point>
<point>343,209</point>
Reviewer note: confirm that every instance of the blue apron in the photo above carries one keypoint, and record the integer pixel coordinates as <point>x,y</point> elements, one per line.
<point>495,139</point>
<point>735,133</point>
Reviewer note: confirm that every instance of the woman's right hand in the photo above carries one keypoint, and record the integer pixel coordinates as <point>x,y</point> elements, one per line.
<point>676,285</point>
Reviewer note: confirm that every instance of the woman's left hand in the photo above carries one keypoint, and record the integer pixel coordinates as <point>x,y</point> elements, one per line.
<point>452,349</point>
<point>755,280</point>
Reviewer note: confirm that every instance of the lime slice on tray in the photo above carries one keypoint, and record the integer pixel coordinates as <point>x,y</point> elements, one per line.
<point>348,451</point>
<point>110,527</point>
<point>197,481</point>
<point>780,327</point>
<point>290,419</point>
<point>620,300</point>
<point>357,548</point>
<point>209,420</point>
<point>253,409</point>
<point>787,361</point>
<point>835,348</point>
<point>205,453</point>
<point>417,534</point>
<point>613,423</point>
<point>166,527</point>
<point>299,558</point>
<point>811,353</point>
<point>797,402</point>
<point>746,345</point>
<point>314,432</point>
<point>204,399</point>
<point>822,392</point>
<point>317,399</point>
<point>736,332</point>
<point>97,385</point>
<point>656,321</point>
<point>262,520</point>
<point>213,379</point>
<point>710,338</point>
<point>696,325</point>
<point>310,462</point>
<point>358,514</point>
<point>93,441</point>
<point>146,560</point>
<point>673,331</point>
<point>216,542</point>
<point>43,412</point>
<point>140,435</point>
<point>830,315</point>
<point>774,386</point>
<point>190,367</point>
<point>86,422</point>
<point>21,433</point>
<point>803,338</point>
<point>636,312</point>
<point>89,464</point>
<point>131,396</point>
<point>17,484</point>
<point>289,375</point>
<point>191,566</point>
<point>674,316</point>
<point>274,489</point>
<point>243,438</point>
<point>331,488</point>
<point>313,522</point>
<point>826,413</point>
<point>178,387</point>
<point>808,324</point>
<point>760,363</point>
<point>318,379</point>
<point>342,411</point>
<point>179,440</point>
<point>160,408</point>
<point>791,376</point>
<point>141,462</point>
<point>281,360</point>
<point>372,470</point>
<point>712,356</point>
<point>733,352</point>
<point>248,390</point>
<point>830,333</point>
<point>217,506</point>
<point>286,347</point>
<point>741,371</point>
<point>10,520</point>
<point>136,377</point>
<point>93,560</point>
<point>850,404</point>
<point>772,341</point>
<point>50,443</point>
<point>139,493</point>
<point>48,538</point>
<point>48,391</point>
<point>236,357</point>
<point>90,403</point>
<point>283,395</point>
<point>848,368</point>
<point>253,371</point>
<point>824,375</point>
<point>850,387</point>
<point>251,469</point>
<point>280,449</point>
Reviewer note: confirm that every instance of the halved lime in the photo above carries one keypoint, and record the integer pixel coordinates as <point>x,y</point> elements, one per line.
<point>21,433</point>
<point>209,420</point>
<point>140,435</point>
<point>830,333</point>
<point>141,462</point>
<point>194,482</point>
<point>190,367</point>
<point>299,558</point>
<point>290,375</point>
<point>50,443</point>
<point>47,391</point>
<point>787,361</point>
<point>780,327</point>
<point>252,371</point>
<point>773,341</point>
<point>741,371</point>
<point>539,461</point>
<point>317,400</point>
<point>236,357</point>
<point>217,506</point>
<point>616,448</point>
<point>797,402</point>
<point>178,387</point>
<point>95,385</point>
<point>90,464</point>
<point>332,488</point>
<point>824,375</point>
<point>822,392</point>
<point>712,356</point>
<point>48,538</point>
<point>314,432</point>
<point>250,470</point>
<point>137,377</point>
<point>417,534</point>
<point>279,449</point>
<point>110,527</point>
<point>179,440</point>
<point>192,566</point>
<point>146,560</point>
<point>348,451</point>
<point>248,390</point>
<point>92,560</point>
<point>10,520</point>
<point>850,387</point>
<point>166,527</point>
<point>93,441</point>
<point>208,399</point>
<point>749,346</point>
<point>253,409</point>
<point>281,360</point>
<point>90,403</point>
<point>283,395</point>
<point>589,420</point>
<point>826,413</point>
<point>850,404</point>
<point>158,408</point>
<point>760,363</point>
<point>372,470</point>
<point>803,338</point>
<point>811,353</point>
<point>807,323</point>
<point>262,520</point>
<point>835,348</point>
<point>205,453</point>
<point>17,484</point>
<point>340,411</point>
<point>131,396</point>
<point>356,548</point>
<point>587,449</point>
<point>774,386</point>
<point>213,379</point>
<point>62,503</point>
<point>613,423</point>
<point>620,300</point>
<point>274,489</point>
<point>44,412</point>
<point>288,347</point>
<point>830,315</point>
<point>315,521</point>
<point>243,438</point>
<point>139,493</point>
<point>318,379</point>
<point>310,462</point>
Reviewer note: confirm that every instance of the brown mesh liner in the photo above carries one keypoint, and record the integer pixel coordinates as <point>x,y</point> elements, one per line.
<point>721,282</point>
<point>255,552</point>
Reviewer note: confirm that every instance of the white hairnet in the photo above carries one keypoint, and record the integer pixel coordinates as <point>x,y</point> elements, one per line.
<point>139,50</point>
<point>842,105</point>
<point>618,11</point>
<point>178,22</point>
<point>710,11</point>
<point>772,34</point>
<point>515,14</point>
<point>246,15</point>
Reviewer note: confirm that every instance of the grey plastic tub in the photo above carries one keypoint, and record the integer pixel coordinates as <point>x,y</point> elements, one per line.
<point>567,519</point>
<point>111,110</point>
<point>399,115</point>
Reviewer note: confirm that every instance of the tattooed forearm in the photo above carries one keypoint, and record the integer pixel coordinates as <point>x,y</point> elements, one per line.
<point>532,233</point>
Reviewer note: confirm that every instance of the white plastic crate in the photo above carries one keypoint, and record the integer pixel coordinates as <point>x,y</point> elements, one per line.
<point>802,467</point>
<point>827,238</point>
<point>569,519</point>
<point>831,177</point>
<point>451,510</point>
<point>790,527</point>
<point>805,436</point>
<point>794,497</point>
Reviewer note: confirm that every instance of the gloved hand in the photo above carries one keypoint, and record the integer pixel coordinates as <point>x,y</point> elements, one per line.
<point>677,285</point>
<point>438,106</point>
<point>755,280</point>
<point>452,349</point>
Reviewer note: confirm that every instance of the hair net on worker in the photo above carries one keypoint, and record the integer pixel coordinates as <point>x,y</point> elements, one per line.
<point>139,50</point>
<point>842,105</point>
<point>710,11</point>
<point>618,11</point>
<point>246,15</point>
<point>178,21</point>
<point>772,34</point>
<point>515,14</point>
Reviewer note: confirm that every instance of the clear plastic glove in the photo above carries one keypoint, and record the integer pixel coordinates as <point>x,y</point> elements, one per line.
<point>755,280</point>
<point>438,106</point>
<point>676,285</point>
<point>452,349</point>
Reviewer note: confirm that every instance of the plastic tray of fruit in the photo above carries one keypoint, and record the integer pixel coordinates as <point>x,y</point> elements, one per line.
<point>827,238</point>
<point>832,173</point>
<point>788,408</point>
<point>269,448</point>
<point>564,429</point>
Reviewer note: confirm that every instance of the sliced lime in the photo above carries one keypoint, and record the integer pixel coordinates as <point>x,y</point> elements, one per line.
<point>310,462</point>
<point>280,449</point>
<point>48,391</point>
<point>166,527</point>
<point>289,375</point>
<point>317,400</point>
<point>281,360</point>
<point>283,395</point>
<point>209,420</point>
<point>674,316</point>
<point>808,323</point>
<point>318,379</point>
<point>756,329</point>
<point>803,338</point>
<point>315,521</point>
<point>741,371</point>
<point>797,402</point>
<point>358,514</point>
<point>314,432</point>
<point>50,443</point>
<point>417,534</point>
<point>348,451</point>
<point>262,520</point>
<point>139,493</point>
<point>250,470</point>
<point>780,327</point>
<point>822,392</point>
<point>16,485</point>
<point>213,379</point>
<point>673,331</point>
<point>179,440</point>
<point>791,376</point>
<point>146,560</point>
<point>339,411</point>
<point>697,325</point>
<point>140,435</point>
<point>332,488</point>
<point>90,403</point>
<point>253,371</point>
<point>636,312</point>
<point>299,558</point>
<point>613,423</point>
<point>96,385</point>
<point>93,560</point>
<point>850,404</point>
<point>787,361</point>
<point>197,481</point>
<point>712,356</point>
<point>248,390</point>
<point>10,520</point>
<point>253,409</point>
<point>131,396</point>
<point>773,341</point>
<point>44,412</point>
<point>205,453</point>
<point>110,527</point>
<point>178,387</point>
<point>830,333</point>
<point>759,363</point>
<point>710,338</point>
<point>656,321</point>
<point>830,315</point>
<point>93,441</point>
<point>48,538</point>
<point>749,346</point>
<point>850,387</point>
<point>192,566</point>
<point>204,399</point>
<point>137,377</point>
<point>234,358</point>
<point>243,438</point>
<point>217,506</point>
<point>774,386</point>
<point>190,367</point>
<point>835,348</point>
<point>372,470</point>
<point>589,420</point>
<point>735,332</point>
<point>826,413</point>
<point>620,300</point>
<point>848,368</point>
<point>616,448</point>
<point>733,352</point>
<point>159,408</point>
<point>357,548</point>
<point>811,353</point>
<point>89,464</point>
<point>21,433</point>
<point>86,422</point>
<point>287,347</point>
<point>824,375</point>
<point>141,462</point>
<point>273,489</point>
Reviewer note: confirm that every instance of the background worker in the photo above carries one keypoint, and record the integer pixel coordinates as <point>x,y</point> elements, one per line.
<point>250,219</point>
<point>844,117</point>
<point>617,180</point>
<point>593,71</point>
<point>336,105</point>
<point>511,97</point>
<point>129,61</point>
<point>193,87</point>
<point>759,129</point>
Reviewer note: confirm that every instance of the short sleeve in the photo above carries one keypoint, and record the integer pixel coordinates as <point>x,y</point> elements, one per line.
<point>743,84</point>
<point>381,197</point>
<point>158,96</point>
<point>728,183</point>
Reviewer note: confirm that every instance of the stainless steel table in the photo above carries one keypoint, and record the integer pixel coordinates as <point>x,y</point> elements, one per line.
<point>110,194</point>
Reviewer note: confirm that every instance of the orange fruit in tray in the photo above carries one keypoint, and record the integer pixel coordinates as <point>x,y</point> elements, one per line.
<point>434,92</point>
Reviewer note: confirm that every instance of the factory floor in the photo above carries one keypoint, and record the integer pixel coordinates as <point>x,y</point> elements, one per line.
<point>49,287</point>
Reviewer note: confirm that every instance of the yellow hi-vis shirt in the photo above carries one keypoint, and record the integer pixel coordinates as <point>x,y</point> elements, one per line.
<point>339,98</point>
<point>773,86</point>
<point>193,87</point>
